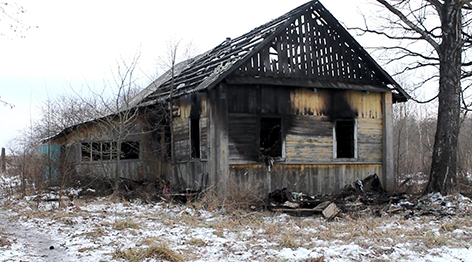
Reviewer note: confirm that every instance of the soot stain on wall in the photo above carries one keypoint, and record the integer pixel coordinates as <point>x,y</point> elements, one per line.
<point>270,102</point>
<point>337,107</point>
<point>195,105</point>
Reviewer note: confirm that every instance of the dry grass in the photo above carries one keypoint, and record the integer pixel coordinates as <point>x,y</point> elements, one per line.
<point>154,251</point>
<point>4,242</point>
<point>240,195</point>
<point>125,224</point>
<point>288,240</point>
<point>243,229</point>
<point>196,242</point>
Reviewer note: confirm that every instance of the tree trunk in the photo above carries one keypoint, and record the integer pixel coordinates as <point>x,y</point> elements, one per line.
<point>445,151</point>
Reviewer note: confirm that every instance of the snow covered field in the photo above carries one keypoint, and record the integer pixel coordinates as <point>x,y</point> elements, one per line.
<point>103,229</point>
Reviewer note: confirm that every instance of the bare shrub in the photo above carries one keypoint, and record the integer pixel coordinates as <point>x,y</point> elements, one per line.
<point>31,170</point>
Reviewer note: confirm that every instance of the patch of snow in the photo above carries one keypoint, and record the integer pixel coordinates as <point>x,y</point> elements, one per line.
<point>89,231</point>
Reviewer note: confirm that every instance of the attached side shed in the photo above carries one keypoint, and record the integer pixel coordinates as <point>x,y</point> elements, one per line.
<point>294,103</point>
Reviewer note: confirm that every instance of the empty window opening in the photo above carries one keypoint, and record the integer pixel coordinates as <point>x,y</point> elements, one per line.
<point>130,150</point>
<point>195,137</point>
<point>167,140</point>
<point>106,151</point>
<point>86,151</point>
<point>345,138</point>
<point>96,151</point>
<point>271,137</point>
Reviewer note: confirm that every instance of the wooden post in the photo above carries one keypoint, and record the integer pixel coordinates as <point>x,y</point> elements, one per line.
<point>3,163</point>
<point>218,162</point>
<point>388,176</point>
<point>222,135</point>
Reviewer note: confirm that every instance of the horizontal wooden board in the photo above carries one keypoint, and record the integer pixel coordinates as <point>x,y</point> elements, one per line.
<point>243,135</point>
<point>308,126</point>
<point>369,139</point>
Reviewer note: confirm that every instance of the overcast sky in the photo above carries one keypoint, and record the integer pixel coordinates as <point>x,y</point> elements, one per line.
<point>75,44</point>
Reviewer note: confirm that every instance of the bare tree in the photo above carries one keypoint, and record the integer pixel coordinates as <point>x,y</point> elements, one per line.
<point>432,39</point>
<point>10,19</point>
<point>114,120</point>
<point>5,103</point>
<point>173,56</point>
<point>414,127</point>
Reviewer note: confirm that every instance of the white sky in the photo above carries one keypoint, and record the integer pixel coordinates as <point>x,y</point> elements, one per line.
<point>78,43</point>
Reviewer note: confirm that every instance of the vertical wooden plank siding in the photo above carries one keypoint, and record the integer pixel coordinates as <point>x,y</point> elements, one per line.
<point>311,179</point>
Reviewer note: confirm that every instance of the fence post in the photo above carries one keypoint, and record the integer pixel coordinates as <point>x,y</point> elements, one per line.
<point>3,164</point>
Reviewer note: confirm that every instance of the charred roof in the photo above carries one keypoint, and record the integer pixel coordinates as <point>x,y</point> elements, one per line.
<point>304,47</point>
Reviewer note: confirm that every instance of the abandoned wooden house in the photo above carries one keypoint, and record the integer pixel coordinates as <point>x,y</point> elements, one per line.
<point>294,103</point>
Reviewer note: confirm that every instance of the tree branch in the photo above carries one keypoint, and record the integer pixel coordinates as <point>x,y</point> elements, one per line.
<point>417,29</point>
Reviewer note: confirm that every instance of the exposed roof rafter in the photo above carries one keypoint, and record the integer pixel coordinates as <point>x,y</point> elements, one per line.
<point>307,43</point>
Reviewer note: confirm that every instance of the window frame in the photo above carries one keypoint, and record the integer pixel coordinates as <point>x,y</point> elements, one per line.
<point>355,142</point>
<point>111,155</point>
<point>192,137</point>
<point>281,137</point>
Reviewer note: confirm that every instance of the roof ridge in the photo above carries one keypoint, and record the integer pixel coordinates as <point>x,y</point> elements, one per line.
<point>208,69</point>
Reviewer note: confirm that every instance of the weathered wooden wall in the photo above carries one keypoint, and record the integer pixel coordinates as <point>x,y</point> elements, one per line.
<point>149,166</point>
<point>308,118</point>
<point>190,106</point>
<point>190,172</point>
<point>311,179</point>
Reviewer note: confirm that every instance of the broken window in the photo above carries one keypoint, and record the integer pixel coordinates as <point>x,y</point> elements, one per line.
<point>195,137</point>
<point>96,151</point>
<point>345,138</point>
<point>271,137</point>
<point>130,150</point>
<point>105,151</point>
<point>86,151</point>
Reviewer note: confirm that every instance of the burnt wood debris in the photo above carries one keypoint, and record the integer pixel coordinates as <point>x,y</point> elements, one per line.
<point>364,197</point>
<point>295,103</point>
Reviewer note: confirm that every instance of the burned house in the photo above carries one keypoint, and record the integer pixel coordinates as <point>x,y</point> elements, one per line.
<point>294,103</point>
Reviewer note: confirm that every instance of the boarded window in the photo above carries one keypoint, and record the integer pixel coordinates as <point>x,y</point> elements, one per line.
<point>345,139</point>
<point>271,137</point>
<point>195,137</point>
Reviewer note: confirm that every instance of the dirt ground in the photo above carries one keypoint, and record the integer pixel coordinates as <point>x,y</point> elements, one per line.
<point>40,246</point>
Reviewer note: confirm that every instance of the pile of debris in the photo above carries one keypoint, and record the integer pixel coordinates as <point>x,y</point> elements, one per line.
<point>362,197</point>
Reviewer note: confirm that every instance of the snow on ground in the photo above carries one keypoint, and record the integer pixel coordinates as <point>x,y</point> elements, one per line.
<point>103,229</point>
